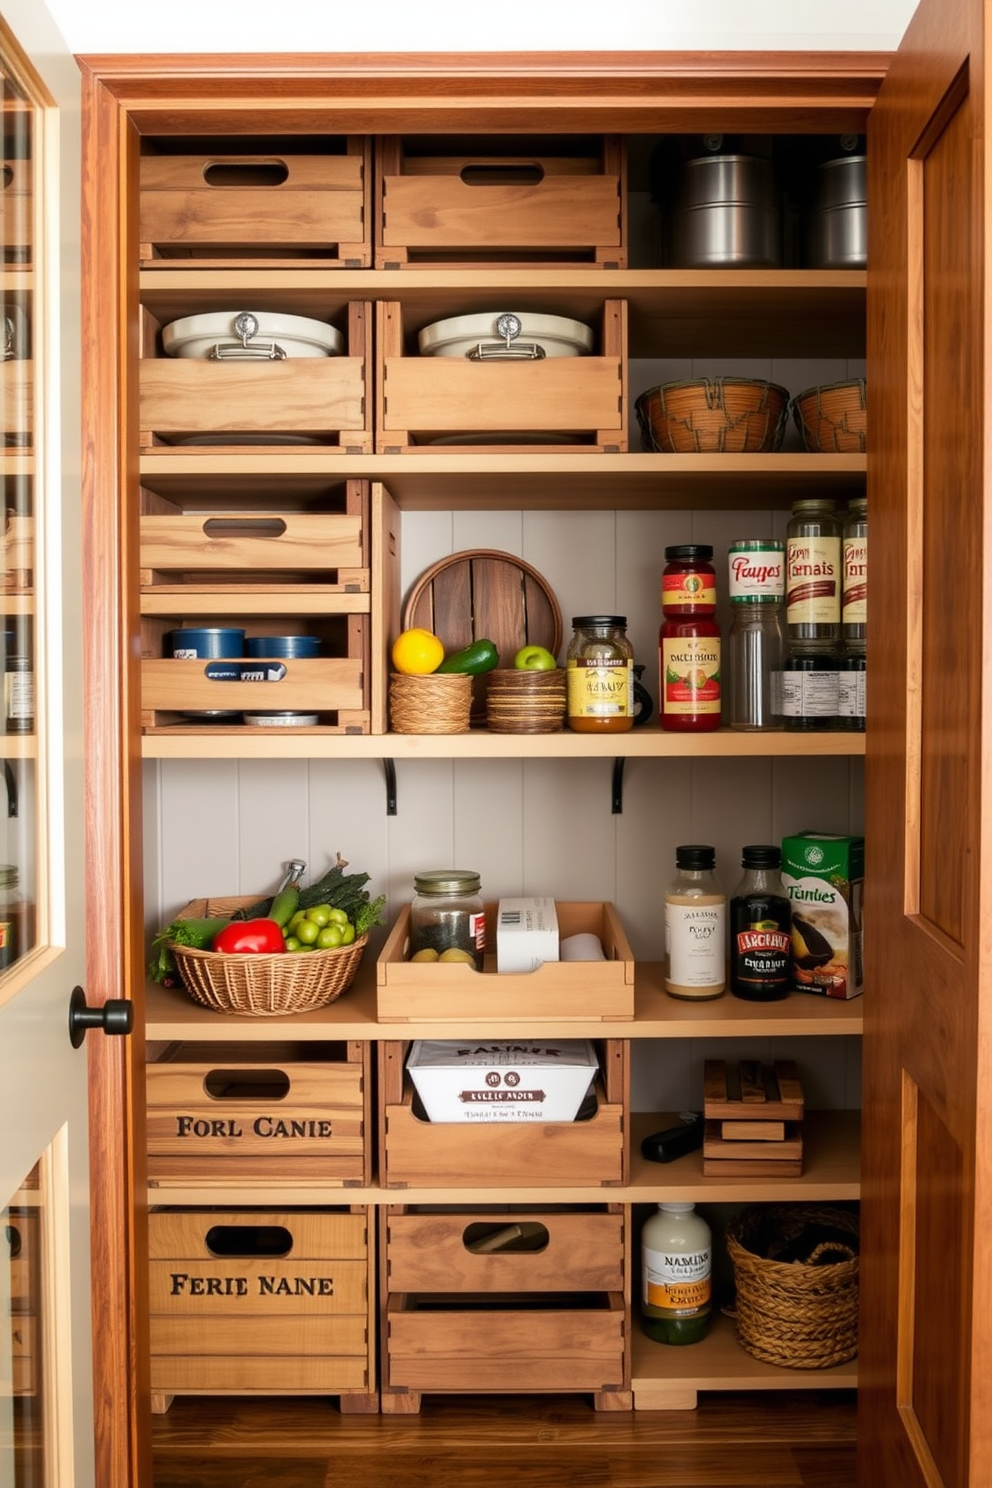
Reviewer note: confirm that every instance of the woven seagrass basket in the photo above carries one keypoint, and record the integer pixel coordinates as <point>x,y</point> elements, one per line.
<point>260,985</point>
<point>435,703</point>
<point>735,415</point>
<point>524,702</point>
<point>833,418</point>
<point>800,1315</point>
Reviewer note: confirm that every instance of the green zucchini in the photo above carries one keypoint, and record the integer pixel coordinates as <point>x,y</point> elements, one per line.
<point>481,656</point>
<point>284,906</point>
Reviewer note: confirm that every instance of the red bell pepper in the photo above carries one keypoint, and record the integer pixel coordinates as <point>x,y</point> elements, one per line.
<point>242,937</point>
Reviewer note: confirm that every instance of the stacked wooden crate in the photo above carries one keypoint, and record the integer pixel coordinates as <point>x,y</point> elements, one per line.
<point>753,1116</point>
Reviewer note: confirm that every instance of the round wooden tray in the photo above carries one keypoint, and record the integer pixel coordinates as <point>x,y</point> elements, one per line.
<point>482,594</point>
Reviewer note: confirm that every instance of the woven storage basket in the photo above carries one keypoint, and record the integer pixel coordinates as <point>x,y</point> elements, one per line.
<point>739,415</point>
<point>524,702</point>
<point>799,1316</point>
<point>263,986</point>
<point>833,419</point>
<point>436,703</point>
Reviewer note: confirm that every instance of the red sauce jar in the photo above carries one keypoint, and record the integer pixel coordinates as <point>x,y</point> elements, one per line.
<point>689,642</point>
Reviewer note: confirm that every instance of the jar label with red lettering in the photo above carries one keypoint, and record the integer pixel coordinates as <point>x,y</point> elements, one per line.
<point>758,573</point>
<point>688,591</point>
<point>812,588</point>
<point>855,593</point>
<point>690,667</point>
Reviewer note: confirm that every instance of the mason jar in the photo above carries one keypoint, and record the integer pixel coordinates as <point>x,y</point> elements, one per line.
<point>447,916</point>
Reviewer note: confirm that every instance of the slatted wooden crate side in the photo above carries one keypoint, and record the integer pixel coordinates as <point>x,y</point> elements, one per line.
<point>319,213</point>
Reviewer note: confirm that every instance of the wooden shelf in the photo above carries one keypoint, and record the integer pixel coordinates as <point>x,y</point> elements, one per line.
<point>542,481</point>
<point>170,1014</point>
<point>186,741</point>
<point>667,1378</point>
<point>673,312</point>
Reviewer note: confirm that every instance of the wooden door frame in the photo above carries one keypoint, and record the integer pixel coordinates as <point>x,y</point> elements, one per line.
<point>123,97</point>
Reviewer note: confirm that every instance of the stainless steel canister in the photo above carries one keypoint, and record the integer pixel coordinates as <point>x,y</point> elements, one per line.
<point>727,214</point>
<point>837,225</point>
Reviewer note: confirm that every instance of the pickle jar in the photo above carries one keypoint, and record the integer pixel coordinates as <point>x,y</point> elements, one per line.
<point>600,675</point>
<point>448,917</point>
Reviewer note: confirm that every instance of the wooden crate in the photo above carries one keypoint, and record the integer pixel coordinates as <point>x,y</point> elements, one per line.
<point>486,202</point>
<point>321,542</point>
<point>604,990</point>
<point>327,400</point>
<point>753,1117</point>
<point>220,205</point>
<point>262,1302</point>
<point>561,403</point>
<point>16,210</point>
<point>335,685</point>
<point>588,1153</point>
<point>460,1289</point>
<point>273,1113</point>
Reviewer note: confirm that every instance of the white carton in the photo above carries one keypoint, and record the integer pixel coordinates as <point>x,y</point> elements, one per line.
<point>526,934</point>
<point>477,1080</point>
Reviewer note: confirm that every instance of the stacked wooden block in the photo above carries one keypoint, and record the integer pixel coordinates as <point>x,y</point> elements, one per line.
<point>753,1116</point>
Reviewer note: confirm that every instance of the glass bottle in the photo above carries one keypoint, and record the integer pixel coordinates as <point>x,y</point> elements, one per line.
<point>851,692</point>
<point>689,642</point>
<point>18,695</point>
<point>12,911</point>
<point>600,675</point>
<point>854,592</point>
<point>755,643</point>
<point>695,927</point>
<point>810,690</point>
<point>447,914</point>
<point>676,1274</point>
<point>760,929</point>
<point>813,576</point>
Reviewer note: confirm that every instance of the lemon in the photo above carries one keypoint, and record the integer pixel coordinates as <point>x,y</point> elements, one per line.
<point>455,953</point>
<point>417,652</point>
<point>427,954</point>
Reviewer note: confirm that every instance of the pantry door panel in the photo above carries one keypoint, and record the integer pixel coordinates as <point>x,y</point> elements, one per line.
<point>926,1334</point>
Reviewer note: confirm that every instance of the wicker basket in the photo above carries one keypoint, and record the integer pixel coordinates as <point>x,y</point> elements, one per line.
<point>833,419</point>
<point>259,985</point>
<point>436,703</point>
<point>524,702</point>
<point>794,1314</point>
<point>738,415</point>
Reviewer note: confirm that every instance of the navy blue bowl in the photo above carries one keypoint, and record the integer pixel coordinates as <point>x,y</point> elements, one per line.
<point>210,641</point>
<point>289,648</point>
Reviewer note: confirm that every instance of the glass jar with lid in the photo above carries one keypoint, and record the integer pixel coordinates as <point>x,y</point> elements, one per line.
<point>447,917</point>
<point>813,576</point>
<point>600,675</point>
<point>689,642</point>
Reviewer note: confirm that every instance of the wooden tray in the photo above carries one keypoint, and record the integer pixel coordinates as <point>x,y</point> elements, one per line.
<point>483,594</point>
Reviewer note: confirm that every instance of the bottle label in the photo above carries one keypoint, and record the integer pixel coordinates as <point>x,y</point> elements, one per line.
<point>810,694</point>
<point>696,944</point>
<point>600,687</point>
<point>676,1281</point>
<point>855,595</point>
<point>691,670</point>
<point>688,591</point>
<point>760,943</point>
<point>477,930</point>
<point>758,573</point>
<point>852,689</point>
<point>812,587</point>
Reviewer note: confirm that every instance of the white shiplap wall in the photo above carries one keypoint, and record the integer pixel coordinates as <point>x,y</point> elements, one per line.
<point>544,827</point>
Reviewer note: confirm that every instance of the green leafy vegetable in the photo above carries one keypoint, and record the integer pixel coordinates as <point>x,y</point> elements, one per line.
<point>196,933</point>
<point>369,914</point>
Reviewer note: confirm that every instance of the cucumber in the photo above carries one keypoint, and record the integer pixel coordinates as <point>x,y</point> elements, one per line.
<point>284,906</point>
<point>481,656</point>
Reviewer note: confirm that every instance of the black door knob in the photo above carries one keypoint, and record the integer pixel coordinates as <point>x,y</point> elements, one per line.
<point>115,1016</point>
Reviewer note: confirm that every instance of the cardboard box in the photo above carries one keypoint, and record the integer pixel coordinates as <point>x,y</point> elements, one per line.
<point>502,1081</point>
<point>824,879</point>
<point>526,934</point>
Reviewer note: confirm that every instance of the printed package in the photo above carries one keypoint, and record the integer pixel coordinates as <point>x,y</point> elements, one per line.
<point>824,879</point>
<point>526,1080</point>
<point>526,934</point>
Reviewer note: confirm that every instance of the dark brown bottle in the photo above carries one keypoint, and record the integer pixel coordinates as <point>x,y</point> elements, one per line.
<point>760,929</point>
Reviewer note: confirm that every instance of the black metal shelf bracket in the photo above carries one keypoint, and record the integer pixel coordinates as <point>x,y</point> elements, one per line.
<point>618,765</point>
<point>389,770</point>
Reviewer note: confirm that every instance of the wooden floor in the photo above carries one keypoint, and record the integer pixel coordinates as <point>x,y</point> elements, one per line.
<point>789,1440</point>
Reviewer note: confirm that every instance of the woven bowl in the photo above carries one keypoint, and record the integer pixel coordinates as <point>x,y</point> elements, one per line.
<point>739,415</point>
<point>437,703</point>
<point>524,702</point>
<point>799,1316</point>
<point>268,986</point>
<point>833,418</point>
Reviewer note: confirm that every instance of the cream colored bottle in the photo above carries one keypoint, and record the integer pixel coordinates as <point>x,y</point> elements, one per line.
<point>695,927</point>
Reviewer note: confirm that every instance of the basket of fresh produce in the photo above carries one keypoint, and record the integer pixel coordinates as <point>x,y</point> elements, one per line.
<point>288,952</point>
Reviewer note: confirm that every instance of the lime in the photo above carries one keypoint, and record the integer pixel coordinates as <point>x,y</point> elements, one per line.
<point>307,932</point>
<point>292,944</point>
<point>329,938</point>
<point>320,914</point>
<point>339,917</point>
<point>347,934</point>
<point>417,652</point>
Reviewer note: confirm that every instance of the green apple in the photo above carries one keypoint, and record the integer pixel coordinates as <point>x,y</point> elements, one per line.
<point>534,659</point>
